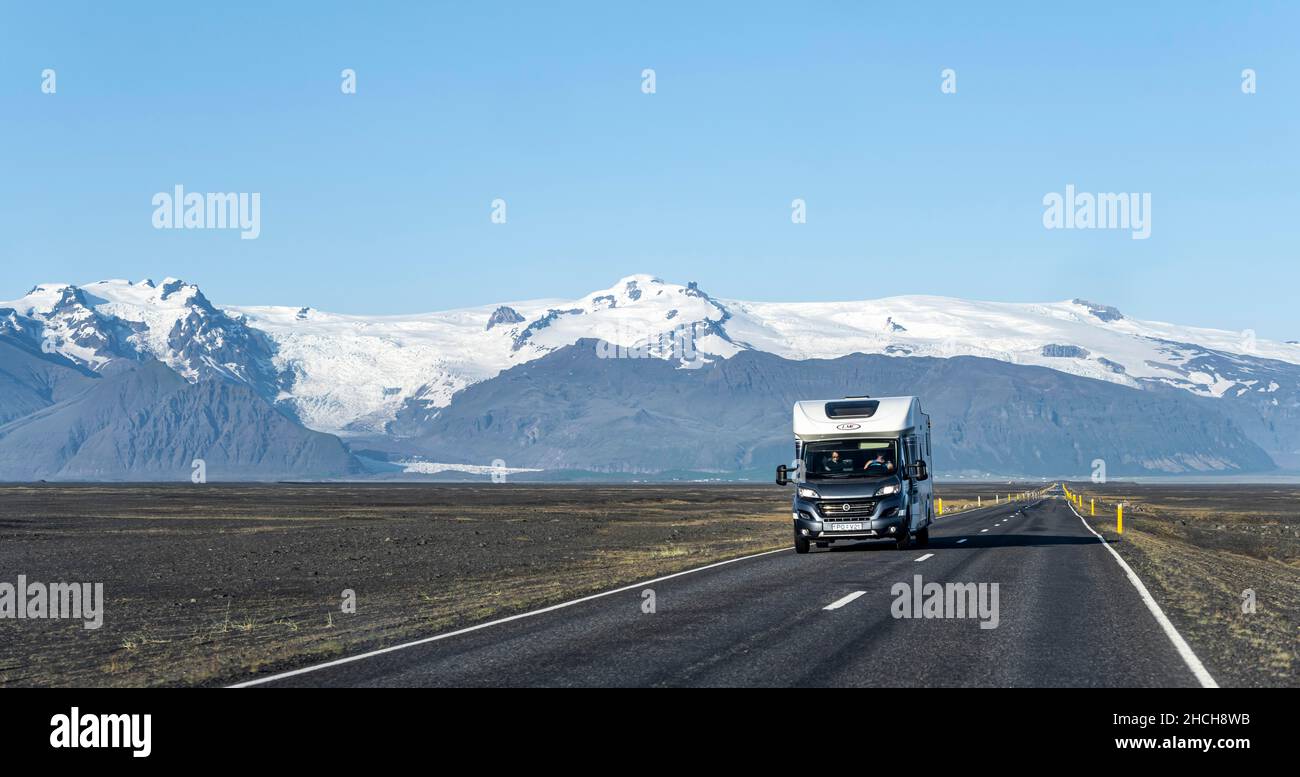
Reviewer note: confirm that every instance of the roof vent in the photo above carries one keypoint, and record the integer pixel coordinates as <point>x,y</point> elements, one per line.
<point>852,408</point>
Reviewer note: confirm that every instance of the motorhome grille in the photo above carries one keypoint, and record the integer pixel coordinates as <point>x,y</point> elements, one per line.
<point>835,510</point>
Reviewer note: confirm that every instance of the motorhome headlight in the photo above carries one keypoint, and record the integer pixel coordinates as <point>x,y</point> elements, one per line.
<point>807,493</point>
<point>892,488</point>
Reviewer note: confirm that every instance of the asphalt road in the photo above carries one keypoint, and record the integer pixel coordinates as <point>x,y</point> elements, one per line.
<point>1067,616</point>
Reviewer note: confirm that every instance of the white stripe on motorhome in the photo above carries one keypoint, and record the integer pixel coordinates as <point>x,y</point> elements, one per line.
<point>926,556</point>
<point>838,603</point>
<point>499,621</point>
<point>1180,644</point>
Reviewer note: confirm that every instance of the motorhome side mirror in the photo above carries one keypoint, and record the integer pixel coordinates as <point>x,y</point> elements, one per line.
<point>782,473</point>
<point>922,471</point>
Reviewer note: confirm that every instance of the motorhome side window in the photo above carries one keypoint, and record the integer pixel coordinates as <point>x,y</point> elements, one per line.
<point>850,459</point>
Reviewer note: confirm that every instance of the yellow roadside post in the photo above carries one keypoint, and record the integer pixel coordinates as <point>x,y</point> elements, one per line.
<point>1092,506</point>
<point>940,502</point>
<point>1119,518</point>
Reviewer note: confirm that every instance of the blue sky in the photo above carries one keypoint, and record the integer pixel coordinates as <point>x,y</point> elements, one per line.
<point>380,202</point>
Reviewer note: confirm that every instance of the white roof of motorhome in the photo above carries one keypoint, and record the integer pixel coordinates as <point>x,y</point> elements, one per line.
<point>892,415</point>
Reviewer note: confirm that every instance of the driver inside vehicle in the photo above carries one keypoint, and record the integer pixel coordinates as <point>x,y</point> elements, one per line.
<point>880,465</point>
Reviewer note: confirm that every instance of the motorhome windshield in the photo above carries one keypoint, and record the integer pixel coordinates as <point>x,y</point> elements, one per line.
<point>849,459</point>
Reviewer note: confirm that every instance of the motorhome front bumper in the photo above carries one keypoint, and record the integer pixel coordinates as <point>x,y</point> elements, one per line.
<point>822,519</point>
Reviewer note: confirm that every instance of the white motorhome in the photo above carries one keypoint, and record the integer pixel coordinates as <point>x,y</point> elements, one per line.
<point>860,471</point>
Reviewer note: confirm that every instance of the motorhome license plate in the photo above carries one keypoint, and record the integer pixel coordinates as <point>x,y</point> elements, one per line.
<point>847,527</point>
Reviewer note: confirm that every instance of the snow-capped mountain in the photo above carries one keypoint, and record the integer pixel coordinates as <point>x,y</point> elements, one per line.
<point>398,385</point>
<point>353,374</point>
<point>350,374</point>
<point>172,322</point>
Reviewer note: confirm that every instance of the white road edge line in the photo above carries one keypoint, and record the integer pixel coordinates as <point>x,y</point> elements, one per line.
<point>926,556</point>
<point>497,622</point>
<point>1184,649</point>
<point>838,603</point>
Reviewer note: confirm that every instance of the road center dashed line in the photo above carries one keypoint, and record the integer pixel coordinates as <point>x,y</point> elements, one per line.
<point>960,541</point>
<point>983,530</point>
<point>926,556</point>
<point>838,603</point>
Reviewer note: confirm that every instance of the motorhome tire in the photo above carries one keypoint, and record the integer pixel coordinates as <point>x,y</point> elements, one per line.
<point>923,536</point>
<point>800,544</point>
